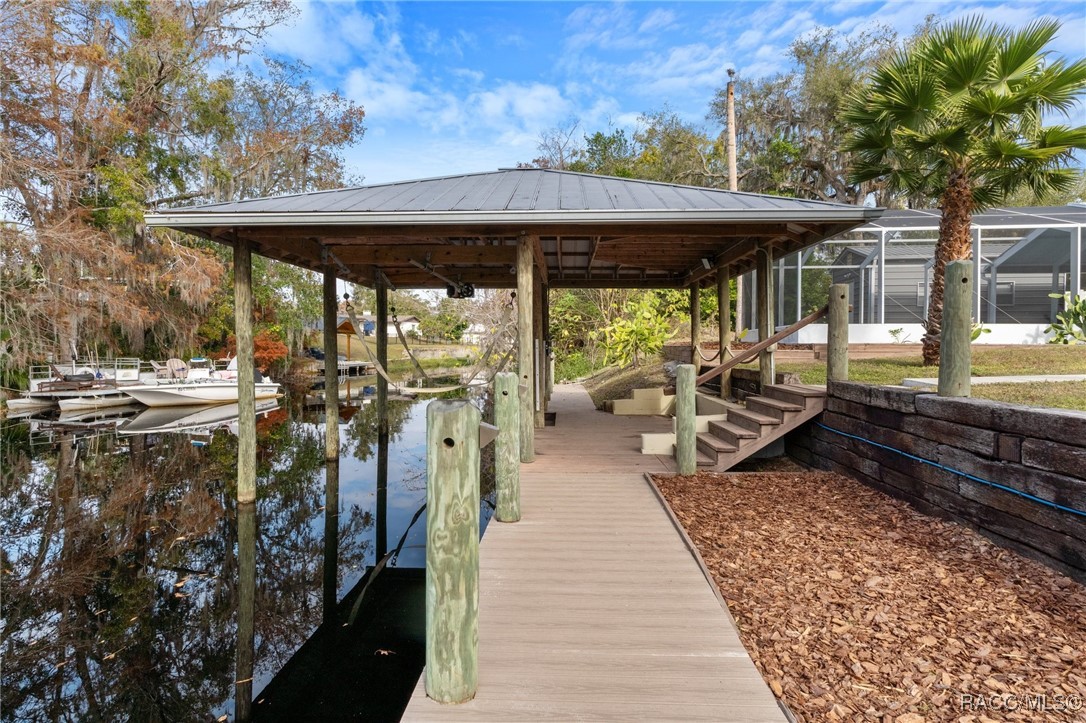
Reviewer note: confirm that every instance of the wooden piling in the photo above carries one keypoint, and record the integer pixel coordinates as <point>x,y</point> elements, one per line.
<point>507,447</point>
<point>525,349</point>
<point>452,550</point>
<point>837,334</point>
<point>724,333</point>
<point>695,326</point>
<point>331,367</point>
<point>538,375</point>
<point>957,330</point>
<point>548,361</point>
<point>380,333</point>
<point>766,327</point>
<point>243,332</point>
<point>686,445</point>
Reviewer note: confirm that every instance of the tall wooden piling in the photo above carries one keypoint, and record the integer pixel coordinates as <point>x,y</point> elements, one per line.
<point>452,550</point>
<point>525,349</point>
<point>957,330</point>
<point>331,366</point>
<point>695,326</point>
<point>243,331</point>
<point>539,375</point>
<point>507,447</point>
<point>724,332</point>
<point>380,333</point>
<point>686,445</point>
<point>766,326</point>
<point>837,334</point>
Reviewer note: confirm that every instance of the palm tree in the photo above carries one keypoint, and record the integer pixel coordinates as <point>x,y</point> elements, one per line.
<point>959,116</point>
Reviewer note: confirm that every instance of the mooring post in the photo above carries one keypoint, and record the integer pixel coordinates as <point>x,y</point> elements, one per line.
<point>537,333</point>
<point>331,366</point>
<point>686,445</point>
<point>525,349</point>
<point>507,447</point>
<point>957,330</point>
<point>452,550</point>
<point>724,333</point>
<point>837,334</point>
<point>243,332</point>
<point>380,333</point>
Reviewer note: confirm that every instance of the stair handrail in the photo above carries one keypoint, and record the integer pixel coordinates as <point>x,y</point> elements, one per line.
<point>748,354</point>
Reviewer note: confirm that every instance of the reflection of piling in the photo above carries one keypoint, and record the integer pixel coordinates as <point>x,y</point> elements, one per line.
<point>243,669</point>
<point>507,447</point>
<point>381,512</point>
<point>331,541</point>
<point>452,550</point>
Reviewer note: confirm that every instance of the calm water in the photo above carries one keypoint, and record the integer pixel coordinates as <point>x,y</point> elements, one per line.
<point>134,588</point>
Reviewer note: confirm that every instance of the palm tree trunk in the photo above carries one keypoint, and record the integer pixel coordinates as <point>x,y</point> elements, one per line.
<point>955,243</point>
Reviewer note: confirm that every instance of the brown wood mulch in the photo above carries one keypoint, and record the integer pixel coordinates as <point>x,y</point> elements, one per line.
<point>856,607</point>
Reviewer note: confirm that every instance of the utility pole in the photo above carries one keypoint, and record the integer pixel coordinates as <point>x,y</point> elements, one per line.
<point>733,185</point>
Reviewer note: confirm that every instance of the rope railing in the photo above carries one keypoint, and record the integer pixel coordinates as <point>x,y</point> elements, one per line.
<point>748,354</point>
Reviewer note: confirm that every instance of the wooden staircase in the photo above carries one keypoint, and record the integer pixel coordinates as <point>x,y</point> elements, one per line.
<point>764,419</point>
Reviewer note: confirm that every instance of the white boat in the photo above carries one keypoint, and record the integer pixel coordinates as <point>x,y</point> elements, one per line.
<point>83,385</point>
<point>200,385</point>
<point>109,397</point>
<point>188,419</point>
<point>27,404</point>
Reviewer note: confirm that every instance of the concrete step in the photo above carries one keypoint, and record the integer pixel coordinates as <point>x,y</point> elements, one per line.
<point>732,433</point>
<point>751,420</point>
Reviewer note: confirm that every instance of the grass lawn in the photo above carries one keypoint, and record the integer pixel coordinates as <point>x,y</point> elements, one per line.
<point>613,383</point>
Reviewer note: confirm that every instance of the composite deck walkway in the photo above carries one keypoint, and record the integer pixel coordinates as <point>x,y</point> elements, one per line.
<point>591,607</point>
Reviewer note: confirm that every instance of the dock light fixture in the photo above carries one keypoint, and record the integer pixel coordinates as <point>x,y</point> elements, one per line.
<point>707,263</point>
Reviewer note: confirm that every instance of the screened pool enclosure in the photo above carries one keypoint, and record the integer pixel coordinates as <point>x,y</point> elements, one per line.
<point>1021,256</point>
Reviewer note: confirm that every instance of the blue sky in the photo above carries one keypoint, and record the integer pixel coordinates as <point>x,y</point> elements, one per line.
<point>452,87</point>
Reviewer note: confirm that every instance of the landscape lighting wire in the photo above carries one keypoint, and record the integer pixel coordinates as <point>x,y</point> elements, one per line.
<point>968,476</point>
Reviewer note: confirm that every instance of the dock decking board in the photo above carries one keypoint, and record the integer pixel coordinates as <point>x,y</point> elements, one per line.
<point>591,607</point>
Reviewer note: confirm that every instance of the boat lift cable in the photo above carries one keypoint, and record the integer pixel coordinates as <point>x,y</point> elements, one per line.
<point>974,478</point>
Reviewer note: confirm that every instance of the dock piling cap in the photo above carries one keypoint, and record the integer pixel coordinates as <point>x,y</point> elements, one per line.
<point>487,434</point>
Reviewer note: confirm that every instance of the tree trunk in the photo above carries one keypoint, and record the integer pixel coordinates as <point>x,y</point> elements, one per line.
<point>955,243</point>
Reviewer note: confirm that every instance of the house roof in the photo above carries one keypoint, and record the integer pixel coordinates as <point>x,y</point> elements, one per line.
<point>586,230</point>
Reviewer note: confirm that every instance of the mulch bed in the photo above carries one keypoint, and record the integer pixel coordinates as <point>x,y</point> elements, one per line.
<point>856,607</point>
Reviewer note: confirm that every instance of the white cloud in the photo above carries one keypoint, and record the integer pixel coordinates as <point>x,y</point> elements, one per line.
<point>658,19</point>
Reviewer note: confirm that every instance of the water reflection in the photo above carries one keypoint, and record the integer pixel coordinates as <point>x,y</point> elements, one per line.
<point>134,585</point>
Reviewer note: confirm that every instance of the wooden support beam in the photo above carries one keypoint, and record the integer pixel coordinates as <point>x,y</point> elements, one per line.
<point>524,350</point>
<point>695,327</point>
<point>558,254</point>
<point>380,334</point>
<point>724,331</point>
<point>331,366</point>
<point>435,254</point>
<point>540,259</point>
<point>452,550</point>
<point>537,346</point>
<point>243,332</point>
<point>766,324</point>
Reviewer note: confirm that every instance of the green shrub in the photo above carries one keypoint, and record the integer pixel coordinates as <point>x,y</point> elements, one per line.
<point>1070,324</point>
<point>573,365</point>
